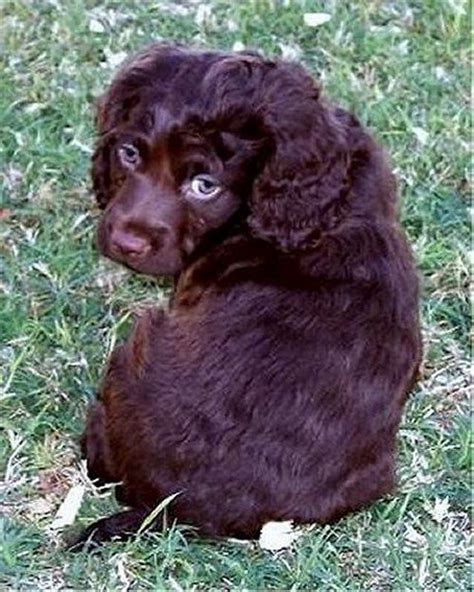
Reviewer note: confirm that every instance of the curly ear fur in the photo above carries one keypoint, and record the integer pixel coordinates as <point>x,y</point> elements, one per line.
<point>299,197</point>
<point>305,187</point>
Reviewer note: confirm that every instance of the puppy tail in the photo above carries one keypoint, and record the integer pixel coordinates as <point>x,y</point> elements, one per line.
<point>120,526</point>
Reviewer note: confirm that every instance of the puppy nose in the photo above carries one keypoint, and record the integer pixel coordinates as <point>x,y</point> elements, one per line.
<point>129,243</point>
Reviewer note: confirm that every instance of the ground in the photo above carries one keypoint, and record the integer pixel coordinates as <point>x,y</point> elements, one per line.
<point>403,67</point>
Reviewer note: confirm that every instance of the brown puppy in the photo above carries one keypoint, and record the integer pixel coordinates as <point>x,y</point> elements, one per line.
<point>272,389</point>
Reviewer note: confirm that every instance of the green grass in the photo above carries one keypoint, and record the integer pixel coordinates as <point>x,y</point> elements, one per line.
<point>400,65</point>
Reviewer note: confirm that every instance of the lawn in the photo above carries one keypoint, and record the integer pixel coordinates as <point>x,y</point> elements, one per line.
<point>403,67</point>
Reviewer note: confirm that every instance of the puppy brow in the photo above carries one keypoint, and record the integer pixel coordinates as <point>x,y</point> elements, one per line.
<point>163,121</point>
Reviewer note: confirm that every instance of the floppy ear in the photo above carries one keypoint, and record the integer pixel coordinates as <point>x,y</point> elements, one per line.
<point>104,178</point>
<point>303,187</point>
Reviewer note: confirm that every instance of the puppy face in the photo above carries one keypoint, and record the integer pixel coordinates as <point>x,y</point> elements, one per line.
<point>193,145</point>
<point>168,189</point>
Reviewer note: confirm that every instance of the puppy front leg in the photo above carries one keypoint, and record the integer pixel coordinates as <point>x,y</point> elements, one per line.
<point>118,526</point>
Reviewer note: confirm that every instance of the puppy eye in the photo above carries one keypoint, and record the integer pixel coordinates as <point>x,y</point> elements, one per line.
<point>204,186</point>
<point>129,155</point>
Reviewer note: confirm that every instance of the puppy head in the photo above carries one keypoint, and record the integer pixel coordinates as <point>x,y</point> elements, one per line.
<point>169,170</point>
<point>191,142</point>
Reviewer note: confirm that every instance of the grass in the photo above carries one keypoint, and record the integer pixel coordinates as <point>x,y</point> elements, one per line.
<point>402,66</point>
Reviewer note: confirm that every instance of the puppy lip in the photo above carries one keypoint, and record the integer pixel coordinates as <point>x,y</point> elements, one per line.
<point>140,254</point>
<point>144,262</point>
<point>148,267</point>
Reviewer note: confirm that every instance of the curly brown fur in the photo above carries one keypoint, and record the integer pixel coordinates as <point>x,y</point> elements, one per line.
<point>272,388</point>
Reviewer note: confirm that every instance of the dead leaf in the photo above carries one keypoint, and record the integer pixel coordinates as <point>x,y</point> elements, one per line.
<point>413,537</point>
<point>39,507</point>
<point>316,19</point>
<point>421,135</point>
<point>68,510</point>
<point>95,26</point>
<point>440,510</point>
<point>275,536</point>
